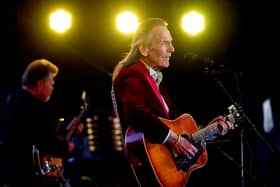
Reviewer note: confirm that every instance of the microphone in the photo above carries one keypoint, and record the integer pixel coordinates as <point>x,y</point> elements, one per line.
<point>193,57</point>
<point>208,65</point>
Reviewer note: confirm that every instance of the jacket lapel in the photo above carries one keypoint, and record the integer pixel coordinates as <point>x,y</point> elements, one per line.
<point>153,85</point>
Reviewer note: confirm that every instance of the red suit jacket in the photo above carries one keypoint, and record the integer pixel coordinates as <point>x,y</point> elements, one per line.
<point>140,104</point>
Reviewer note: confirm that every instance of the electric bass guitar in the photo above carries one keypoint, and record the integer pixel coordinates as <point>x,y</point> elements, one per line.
<point>158,165</point>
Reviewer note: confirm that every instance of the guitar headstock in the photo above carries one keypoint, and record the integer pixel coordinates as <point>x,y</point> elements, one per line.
<point>234,115</point>
<point>84,98</point>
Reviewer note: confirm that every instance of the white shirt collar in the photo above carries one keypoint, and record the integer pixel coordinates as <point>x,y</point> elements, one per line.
<point>156,75</point>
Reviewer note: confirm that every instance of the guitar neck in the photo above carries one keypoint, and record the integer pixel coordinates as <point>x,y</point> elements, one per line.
<point>213,128</point>
<point>74,123</point>
<point>71,131</point>
<point>203,133</point>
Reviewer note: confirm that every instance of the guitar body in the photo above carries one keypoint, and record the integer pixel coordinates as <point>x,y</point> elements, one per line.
<point>154,164</point>
<point>48,168</point>
<point>53,168</point>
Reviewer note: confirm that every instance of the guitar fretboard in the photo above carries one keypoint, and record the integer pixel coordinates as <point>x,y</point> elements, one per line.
<point>203,133</point>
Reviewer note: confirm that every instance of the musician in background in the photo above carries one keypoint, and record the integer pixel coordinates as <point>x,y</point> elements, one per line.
<point>31,122</point>
<point>142,97</point>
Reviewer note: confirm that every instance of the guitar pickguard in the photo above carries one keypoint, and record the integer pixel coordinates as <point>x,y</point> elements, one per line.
<point>183,163</point>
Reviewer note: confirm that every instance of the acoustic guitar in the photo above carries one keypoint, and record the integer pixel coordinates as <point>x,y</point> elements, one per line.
<point>158,165</point>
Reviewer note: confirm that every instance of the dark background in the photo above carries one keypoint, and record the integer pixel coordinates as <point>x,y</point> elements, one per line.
<point>240,39</point>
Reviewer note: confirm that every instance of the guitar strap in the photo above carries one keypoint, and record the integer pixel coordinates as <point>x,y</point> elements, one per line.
<point>116,113</point>
<point>114,102</point>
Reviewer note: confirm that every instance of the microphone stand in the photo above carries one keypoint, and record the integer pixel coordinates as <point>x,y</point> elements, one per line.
<point>244,116</point>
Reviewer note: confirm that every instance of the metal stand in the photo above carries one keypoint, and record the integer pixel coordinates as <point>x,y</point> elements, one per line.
<point>242,157</point>
<point>243,116</point>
